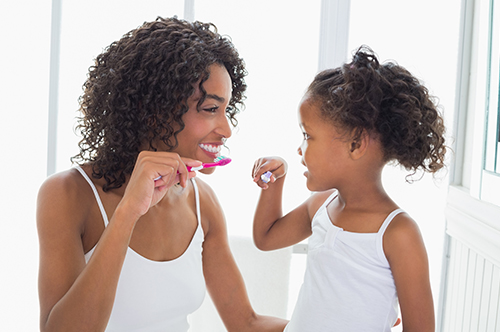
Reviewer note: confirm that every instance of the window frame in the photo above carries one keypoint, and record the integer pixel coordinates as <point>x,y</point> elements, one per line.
<point>478,77</point>
<point>490,177</point>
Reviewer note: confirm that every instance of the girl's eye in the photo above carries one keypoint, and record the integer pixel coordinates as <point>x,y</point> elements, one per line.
<point>306,136</point>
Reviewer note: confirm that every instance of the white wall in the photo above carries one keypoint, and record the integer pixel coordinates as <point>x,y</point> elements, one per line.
<point>423,37</point>
<point>24,57</point>
<point>279,43</point>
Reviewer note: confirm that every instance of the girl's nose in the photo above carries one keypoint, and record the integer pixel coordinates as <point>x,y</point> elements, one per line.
<point>299,151</point>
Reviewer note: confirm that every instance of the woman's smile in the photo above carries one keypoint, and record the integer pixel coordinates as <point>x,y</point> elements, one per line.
<point>213,150</point>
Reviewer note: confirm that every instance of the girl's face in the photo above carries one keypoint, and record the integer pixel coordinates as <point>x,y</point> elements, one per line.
<point>206,126</point>
<point>324,151</point>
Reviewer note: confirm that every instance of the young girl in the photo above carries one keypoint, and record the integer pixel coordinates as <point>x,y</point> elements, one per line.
<point>365,253</point>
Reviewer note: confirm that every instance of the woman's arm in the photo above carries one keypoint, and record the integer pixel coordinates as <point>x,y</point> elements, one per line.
<point>75,296</point>
<point>405,251</point>
<point>224,281</point>
<point>272,230</point>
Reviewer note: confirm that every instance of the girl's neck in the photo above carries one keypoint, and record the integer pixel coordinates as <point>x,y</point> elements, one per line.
<point>363,193</point>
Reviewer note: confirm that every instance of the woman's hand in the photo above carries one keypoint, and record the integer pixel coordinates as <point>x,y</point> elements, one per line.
<point>276,165</point>
<point>154,173</point>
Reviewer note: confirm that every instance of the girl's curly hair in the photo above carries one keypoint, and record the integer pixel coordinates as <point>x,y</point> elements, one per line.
<point>136,92</point>
<point>385,99</point>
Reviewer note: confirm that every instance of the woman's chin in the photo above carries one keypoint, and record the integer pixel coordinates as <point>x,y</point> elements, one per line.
<point>207,171</point>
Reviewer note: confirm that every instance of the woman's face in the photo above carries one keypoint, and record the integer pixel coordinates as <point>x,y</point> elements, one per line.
<point>206,126</point>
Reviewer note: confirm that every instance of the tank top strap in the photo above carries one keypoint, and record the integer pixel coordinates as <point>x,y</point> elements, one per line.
<point>329,199</point>
<point>197,200</point>
<point>388,220</point>
<point>96,194</point>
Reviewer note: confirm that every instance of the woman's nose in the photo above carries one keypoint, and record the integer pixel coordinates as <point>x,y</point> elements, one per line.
<point>223,126</point>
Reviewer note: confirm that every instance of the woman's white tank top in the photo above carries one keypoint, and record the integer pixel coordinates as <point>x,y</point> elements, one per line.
<point>157,296</point>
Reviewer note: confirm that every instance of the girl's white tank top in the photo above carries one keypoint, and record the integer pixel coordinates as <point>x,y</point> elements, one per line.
<point>152,295</point>
<point>348,284</point>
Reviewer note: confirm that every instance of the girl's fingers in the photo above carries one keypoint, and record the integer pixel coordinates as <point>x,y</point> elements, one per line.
<point>264,166</point>
<point>256,167</point>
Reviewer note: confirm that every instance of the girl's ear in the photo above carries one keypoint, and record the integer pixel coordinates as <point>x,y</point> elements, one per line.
<point>359,145</point>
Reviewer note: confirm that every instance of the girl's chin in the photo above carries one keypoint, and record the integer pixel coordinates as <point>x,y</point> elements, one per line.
<point>312,186</point>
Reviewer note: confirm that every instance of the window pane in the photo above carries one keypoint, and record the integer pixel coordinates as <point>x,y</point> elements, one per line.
<point>490,176</point>
<point>87,28</point>
<point>492,108</point>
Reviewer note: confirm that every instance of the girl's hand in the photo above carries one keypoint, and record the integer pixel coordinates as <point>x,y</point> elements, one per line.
<point>154,173</point>
<point>276,165</point>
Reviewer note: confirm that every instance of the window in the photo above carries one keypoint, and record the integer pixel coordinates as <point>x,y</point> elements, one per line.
<point>490,181</point>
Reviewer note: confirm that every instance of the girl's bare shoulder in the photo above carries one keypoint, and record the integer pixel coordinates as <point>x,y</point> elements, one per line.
<point>317,199</point>
<point>402,236</point>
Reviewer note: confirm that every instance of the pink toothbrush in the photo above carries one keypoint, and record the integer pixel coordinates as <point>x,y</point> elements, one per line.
<point>220,161</point>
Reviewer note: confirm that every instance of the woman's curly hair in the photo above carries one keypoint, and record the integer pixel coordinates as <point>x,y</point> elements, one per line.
<point>385,100</point>
<point>136,92</point>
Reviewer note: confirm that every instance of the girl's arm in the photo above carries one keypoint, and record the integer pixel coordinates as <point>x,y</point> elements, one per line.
<point>223,279</point>
<point>405,251</point>
<point>272,230</point>
<point>75,296</point>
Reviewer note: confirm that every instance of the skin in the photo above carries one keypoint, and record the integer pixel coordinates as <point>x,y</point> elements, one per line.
<point>145,215</point>
<point>354,168</point>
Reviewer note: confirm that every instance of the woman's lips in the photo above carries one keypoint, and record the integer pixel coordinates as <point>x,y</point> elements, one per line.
<point>212,150</point>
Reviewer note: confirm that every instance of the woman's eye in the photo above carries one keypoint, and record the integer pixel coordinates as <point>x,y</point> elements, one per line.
<point>211,109</point>
<point>306,136</point>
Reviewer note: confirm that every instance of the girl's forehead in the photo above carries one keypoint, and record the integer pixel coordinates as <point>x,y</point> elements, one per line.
<point>309,111</point>
<point>311,118</point>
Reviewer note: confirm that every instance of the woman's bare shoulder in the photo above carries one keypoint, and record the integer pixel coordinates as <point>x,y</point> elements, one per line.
<point>207,194</point>
<point>62,196</point>
<point>211,209</point>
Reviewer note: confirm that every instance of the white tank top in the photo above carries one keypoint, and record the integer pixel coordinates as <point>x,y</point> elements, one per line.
<point>348,284</point>
<point>157,296</point>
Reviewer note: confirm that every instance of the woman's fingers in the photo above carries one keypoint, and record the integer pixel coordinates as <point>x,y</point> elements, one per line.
<point>171,168</point>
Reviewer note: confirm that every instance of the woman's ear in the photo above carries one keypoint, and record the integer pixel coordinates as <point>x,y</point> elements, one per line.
<point>359,145</point>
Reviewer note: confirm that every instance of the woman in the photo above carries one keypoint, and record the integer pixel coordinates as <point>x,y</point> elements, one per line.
<point>128,239</point>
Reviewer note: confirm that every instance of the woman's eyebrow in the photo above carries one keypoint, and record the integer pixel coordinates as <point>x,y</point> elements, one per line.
<point>216,97</point>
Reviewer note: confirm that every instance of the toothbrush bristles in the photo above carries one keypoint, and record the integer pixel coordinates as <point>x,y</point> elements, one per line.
<point>221,161</point>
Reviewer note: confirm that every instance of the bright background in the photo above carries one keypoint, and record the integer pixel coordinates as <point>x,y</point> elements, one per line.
<point>279,41</point>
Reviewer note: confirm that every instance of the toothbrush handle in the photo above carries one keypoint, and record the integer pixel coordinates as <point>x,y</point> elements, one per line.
<point>197,168</point>
<point>206,165</point>
<point>189,169</point>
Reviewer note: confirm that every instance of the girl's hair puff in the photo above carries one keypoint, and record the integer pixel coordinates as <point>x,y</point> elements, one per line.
<point>385,100</point>
<point>136,92</point>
